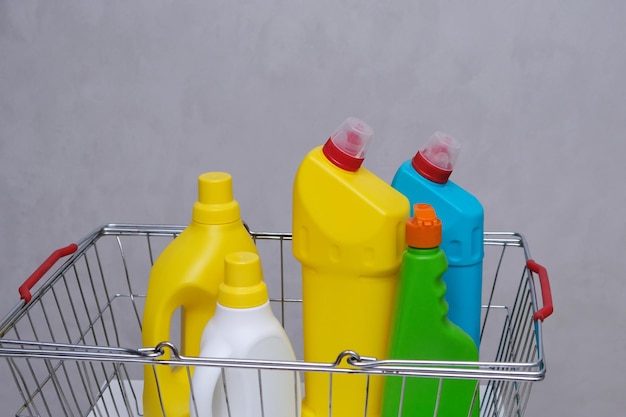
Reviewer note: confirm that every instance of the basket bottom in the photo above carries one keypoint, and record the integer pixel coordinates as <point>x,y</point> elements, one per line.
<point>116,395</point>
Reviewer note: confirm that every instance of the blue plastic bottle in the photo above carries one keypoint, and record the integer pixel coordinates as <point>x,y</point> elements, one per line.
<point>424,179</point>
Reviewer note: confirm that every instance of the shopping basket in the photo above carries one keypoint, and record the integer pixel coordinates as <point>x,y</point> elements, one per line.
<point>73,341</point>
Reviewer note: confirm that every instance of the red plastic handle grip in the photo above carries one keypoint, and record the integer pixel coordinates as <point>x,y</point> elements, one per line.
<point>546,294</point>
<point>30,282</point>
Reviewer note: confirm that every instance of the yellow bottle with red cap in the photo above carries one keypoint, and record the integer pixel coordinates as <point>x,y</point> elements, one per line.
<point>420,330</point>
<point>186,276</point>
<point>348,234</point>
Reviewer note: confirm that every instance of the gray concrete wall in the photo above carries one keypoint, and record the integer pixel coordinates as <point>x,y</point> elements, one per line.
<point>109,110</point>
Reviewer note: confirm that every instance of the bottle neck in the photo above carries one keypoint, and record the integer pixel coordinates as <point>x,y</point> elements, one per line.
<point>421,287</point>
<point>213,214</point>
<point>339,158</point>
<point>426,252</point>
<point>430,171</point>
<point>263,308</point>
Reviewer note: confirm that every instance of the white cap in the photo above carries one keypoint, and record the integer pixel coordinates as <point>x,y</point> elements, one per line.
<point>352,137</point>
<point>441,150</point>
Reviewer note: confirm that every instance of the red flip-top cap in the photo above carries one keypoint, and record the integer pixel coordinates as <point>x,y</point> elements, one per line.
<point>346,147</point>
<point>435,161</point>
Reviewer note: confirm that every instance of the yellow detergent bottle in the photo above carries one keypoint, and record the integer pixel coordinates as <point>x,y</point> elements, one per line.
<point>186,276</point>
<point>349,236</point>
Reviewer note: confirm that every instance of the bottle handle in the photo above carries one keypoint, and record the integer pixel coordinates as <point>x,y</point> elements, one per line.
<point>546,293</point>
<point>204,383</point>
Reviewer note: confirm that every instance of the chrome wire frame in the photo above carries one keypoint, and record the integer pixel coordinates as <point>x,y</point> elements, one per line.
<point>71,346</point>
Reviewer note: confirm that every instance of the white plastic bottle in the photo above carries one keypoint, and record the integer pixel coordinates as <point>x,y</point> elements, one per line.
<point>244,327</point>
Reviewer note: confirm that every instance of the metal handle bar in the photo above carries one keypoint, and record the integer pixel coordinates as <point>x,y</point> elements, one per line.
<point>357,364</point>
<point>32,280</point>
<point>546,294</point>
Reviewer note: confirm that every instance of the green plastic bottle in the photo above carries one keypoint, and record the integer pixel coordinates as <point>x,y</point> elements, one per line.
<point>420,329</point>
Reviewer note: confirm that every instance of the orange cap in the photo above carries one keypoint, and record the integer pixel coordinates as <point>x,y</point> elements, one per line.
<point>423,231</point>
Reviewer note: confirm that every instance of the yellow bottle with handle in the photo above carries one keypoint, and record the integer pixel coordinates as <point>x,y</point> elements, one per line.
<point>349,236</point>
<point>185,278</point>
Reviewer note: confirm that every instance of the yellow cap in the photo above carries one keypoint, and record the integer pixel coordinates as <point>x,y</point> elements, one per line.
<point>423,231</point>
<point>215,203</point>
<point>243,285</point>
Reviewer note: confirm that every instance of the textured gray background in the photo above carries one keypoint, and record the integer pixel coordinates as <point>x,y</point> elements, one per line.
<point>109,110</point>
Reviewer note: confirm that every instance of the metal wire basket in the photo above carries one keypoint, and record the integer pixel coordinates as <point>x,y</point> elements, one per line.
<point>73,345</point>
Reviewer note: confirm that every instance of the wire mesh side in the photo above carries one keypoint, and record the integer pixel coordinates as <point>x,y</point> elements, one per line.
<point>519,343</point>
<point>97,301</point>
<point>91,302</point>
